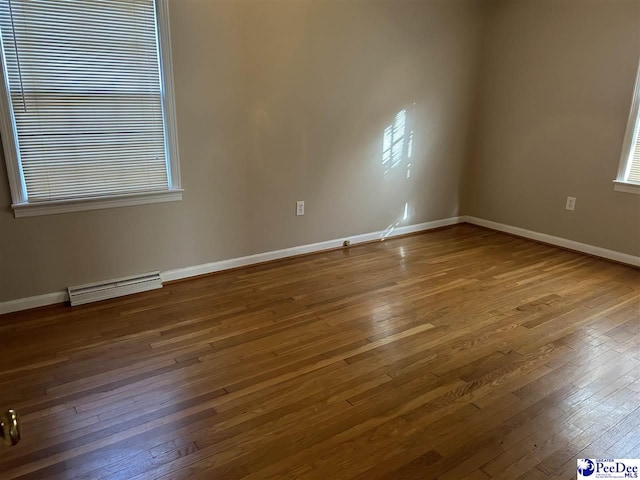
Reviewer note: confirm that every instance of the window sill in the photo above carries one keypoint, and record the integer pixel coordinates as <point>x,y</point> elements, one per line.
<point>628,187</point>
<point>95,203</point>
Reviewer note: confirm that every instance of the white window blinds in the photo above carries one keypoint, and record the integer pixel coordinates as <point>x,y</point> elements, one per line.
<point>633,173</point>
<point>86,92</point>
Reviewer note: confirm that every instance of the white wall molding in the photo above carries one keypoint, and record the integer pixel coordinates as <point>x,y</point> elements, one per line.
<point>203,269</point>
<point>206,268</point>
<point>33,302</point>
<point>558,241</point>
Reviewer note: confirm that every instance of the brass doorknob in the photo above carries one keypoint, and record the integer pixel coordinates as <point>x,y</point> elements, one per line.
<point>10,427</point>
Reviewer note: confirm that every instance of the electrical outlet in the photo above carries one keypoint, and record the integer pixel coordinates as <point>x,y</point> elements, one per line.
<point>571,203</point>
<point>299,207</point>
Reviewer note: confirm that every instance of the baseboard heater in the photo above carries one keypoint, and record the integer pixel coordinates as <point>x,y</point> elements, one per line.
<point>118,287</point>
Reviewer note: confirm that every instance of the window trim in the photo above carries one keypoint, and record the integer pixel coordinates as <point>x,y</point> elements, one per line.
<point>94,203</point>
<point>23,208</point>
<point>621,184</point>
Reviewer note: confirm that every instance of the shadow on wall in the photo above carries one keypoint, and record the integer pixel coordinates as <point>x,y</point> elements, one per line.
<point>397,153</point>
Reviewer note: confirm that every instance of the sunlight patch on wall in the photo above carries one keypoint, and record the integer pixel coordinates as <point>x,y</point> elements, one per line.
<point>397,144</point>
<point>397,149</point>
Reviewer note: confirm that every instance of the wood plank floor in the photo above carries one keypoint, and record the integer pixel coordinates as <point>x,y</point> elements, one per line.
<point>457,354</point>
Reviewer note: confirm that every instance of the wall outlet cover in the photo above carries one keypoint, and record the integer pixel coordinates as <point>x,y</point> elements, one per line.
<point>571,203</point>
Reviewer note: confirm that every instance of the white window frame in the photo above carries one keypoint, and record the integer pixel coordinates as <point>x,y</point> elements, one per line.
<point>621,184</point>
<point>20,204</point>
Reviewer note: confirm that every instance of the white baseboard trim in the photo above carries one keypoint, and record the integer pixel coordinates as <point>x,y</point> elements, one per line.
<point>558,241</point>
<point>206,268</point>
<point>33,302</point>
<point>203,269</point>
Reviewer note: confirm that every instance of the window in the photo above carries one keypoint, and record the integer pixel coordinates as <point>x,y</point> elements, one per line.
<point>86,108</point>
<point>629,172</point>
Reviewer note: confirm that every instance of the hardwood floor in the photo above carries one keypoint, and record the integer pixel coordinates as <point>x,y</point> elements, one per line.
<point>457,354</point>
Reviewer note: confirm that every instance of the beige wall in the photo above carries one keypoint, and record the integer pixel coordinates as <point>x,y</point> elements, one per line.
<point>277,102</point>
<point>557,81</point>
